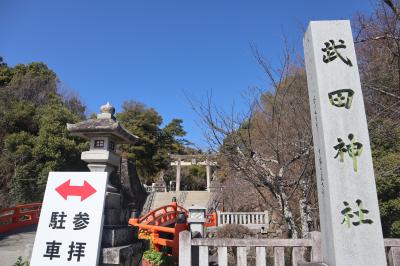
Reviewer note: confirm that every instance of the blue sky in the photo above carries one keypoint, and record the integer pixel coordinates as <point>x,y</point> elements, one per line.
<point>155,51</point>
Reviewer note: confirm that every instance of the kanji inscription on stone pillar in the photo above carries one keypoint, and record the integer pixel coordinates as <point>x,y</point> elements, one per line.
<point>348,203</point>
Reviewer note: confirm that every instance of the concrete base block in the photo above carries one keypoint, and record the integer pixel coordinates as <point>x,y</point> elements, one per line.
<point>118,236</point>
<point>113,200</point>
<point>123,255</point>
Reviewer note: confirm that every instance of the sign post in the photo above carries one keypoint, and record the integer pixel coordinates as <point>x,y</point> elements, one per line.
<point>71,220</point>
<point>348,203</point>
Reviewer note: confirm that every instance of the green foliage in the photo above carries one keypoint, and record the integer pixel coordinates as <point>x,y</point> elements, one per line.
<point>156,257</point>
<point>33,135</point>
<point>159,258</point>
<point>55,149</point>
<point>50,149</point>
<point>395,229</point>
<point>34,139</point>
<point>389,204</point>
<point>19,117</point>
<point>32,82</point>
<point>5,73</point>
<point>155,143</point>
<point>380,78</point>
<point>194,178</point>
<point>386,156</point>
<point>19,262</point>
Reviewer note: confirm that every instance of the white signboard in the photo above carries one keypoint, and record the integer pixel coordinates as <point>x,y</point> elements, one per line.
<point>348,203</point>
<point>71,220</point>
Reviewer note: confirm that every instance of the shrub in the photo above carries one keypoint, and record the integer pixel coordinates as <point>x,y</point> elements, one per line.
<point>234,231</point>
<point>19,262</point>
<point>154,256</point>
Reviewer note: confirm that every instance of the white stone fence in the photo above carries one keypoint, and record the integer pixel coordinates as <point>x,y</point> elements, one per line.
<point>297,248</point>
<point>252,220</point>
<point>155,188</point>
<point>148,188</point>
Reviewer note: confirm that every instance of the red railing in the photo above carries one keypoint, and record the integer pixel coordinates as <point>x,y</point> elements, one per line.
<point>19,216</point>
<point>211,219</point>
<point>156,222</point>
<point>161,216</point>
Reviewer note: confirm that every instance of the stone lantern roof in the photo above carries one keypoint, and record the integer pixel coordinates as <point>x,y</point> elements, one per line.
<point>104,124</point>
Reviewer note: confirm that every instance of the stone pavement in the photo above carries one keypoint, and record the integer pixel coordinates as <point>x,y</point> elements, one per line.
<point>18,243</point>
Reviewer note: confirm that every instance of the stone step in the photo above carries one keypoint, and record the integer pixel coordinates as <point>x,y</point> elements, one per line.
<point>191,198</point>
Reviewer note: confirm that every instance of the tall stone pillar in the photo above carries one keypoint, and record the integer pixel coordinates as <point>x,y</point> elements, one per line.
<point>178,175</point>
<point>351,232</point>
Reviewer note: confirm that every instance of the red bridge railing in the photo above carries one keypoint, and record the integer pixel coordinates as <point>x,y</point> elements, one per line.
<point>158,222</point>
<point>162,216</point>
<point>19,216</point>
<point>211,219</point>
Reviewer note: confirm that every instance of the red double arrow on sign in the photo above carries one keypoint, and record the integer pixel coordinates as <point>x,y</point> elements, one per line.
<point>84,191</point>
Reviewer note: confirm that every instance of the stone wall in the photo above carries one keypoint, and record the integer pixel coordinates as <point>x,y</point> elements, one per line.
<point>120,244</point>
<point>133,192</point>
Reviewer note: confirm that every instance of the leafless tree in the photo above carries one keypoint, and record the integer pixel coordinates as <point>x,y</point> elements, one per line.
<point>378,48</point>
<point>270,146</point>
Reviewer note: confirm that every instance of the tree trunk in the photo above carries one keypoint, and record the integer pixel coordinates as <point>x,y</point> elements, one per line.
<point>287,214</point>
<point>304,217</point>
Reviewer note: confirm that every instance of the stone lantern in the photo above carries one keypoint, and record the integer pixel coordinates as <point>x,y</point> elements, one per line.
<point>104,133</point>
<point>196,219</point>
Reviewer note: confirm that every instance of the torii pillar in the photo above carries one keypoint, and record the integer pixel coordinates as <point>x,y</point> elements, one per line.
<point>180,161</point>
<point>208,172</point>
<point>178,175</point>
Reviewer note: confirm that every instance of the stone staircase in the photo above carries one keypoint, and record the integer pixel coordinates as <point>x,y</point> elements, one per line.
<point>184,198</point>
<point>148,204</point>
<point>197,198</point>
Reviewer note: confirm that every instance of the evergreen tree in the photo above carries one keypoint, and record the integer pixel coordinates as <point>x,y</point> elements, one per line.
<point>155,143</point>
<point>33,135</point>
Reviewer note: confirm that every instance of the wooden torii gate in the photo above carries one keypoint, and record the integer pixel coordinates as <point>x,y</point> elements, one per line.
<point>198,159</point>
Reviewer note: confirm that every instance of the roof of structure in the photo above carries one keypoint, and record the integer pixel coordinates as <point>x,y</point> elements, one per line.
<point>105,124</point>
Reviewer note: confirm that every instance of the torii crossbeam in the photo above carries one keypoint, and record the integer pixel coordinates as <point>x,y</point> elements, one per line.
<point>197,159</point>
